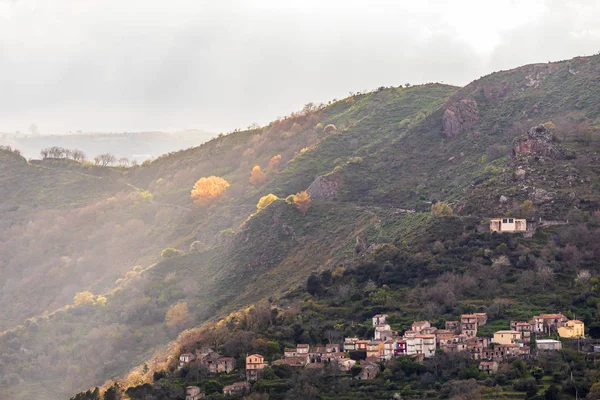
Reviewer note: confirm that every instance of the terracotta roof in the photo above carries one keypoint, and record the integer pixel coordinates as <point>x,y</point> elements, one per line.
<point>576,321</point>
<point>550,316</point>
<point>379,315</point>
<point>303,346</point>
<point>468,316</point>
<point>509,332</point>
<point>426,336</point>
<point>419,323</point>
<point>255,355</point>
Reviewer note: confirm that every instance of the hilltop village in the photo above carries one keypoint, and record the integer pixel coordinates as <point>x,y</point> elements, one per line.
<point>363,358</point>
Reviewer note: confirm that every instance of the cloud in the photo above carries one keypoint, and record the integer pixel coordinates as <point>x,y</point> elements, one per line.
<point>139,65</point>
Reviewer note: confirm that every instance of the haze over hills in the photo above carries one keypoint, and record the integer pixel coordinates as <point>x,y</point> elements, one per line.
<point>372,163</point>
<point>138,146</point>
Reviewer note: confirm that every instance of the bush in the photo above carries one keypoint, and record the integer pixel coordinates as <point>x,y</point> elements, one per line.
<point>170,252</point>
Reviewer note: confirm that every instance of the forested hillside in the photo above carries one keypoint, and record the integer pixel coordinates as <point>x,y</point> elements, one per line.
<point>520,142</point>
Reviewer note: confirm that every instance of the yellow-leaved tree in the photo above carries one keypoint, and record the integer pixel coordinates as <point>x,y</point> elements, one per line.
<point>266,201</point>
<point>177,315</point>
<point>441,209</point>
<point>257,176</point>
<point>208,190</point>
<point>302,202</point>
<point>83,298</point>
<point>274,163</point>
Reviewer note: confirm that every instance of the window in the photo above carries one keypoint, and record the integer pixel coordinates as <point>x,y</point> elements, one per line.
<point>504,220</point>
<point>510,220</point>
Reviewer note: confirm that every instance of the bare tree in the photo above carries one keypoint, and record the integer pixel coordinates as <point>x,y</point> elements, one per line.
<point>78,155</point>
<point>106,159</point>
<point>123,162</point>
<point>544,275</point>
<point>332,336</point>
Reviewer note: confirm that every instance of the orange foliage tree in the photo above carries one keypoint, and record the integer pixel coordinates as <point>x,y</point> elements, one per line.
<point>302,201</point>
<point>257,176</point>
<point>207,190</point>
<point>177,315</point>
<point>274,163</point>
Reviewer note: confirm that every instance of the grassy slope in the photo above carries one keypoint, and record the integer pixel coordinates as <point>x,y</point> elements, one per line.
<point>217,279</point>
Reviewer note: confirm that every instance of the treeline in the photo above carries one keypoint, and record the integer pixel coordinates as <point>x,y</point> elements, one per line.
<point>104,160</point>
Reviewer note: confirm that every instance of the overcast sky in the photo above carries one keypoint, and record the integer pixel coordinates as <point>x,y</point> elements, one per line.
<point>131,65</point>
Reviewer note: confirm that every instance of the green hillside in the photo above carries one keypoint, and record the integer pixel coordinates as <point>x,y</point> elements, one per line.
<point>372,163</point>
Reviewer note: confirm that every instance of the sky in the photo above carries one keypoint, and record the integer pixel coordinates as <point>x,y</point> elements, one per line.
<point>140,65</point>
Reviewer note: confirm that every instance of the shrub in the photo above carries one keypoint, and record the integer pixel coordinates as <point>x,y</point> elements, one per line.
<point>441,209</point>
<point>170,252</point>
<point>266,201</point>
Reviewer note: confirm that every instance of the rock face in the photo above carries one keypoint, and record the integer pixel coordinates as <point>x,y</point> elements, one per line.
<point>324,187</point>
<point>541,196</point>
<point>539,143</point>
<point>459,117</point>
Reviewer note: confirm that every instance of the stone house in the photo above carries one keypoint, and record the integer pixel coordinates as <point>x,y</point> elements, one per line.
<point>524,328</point>
<point>505,351</point>
<point>237,389</point>
<point>186,358</point>
<point>490,367</point>
<point>255,364</point>
<point>362,345</point>
<point>508,225</point>
<point>225,364</point>
<point>420,344</point>
<point>477,346</point>
<point>302,349</point>
<point>400,349</point>
<point>452,325</point>
<point>289,352</point>
<point>389,349</point>
<point>468,324</point>
<point>418,325</point>
<point>345,364</point>
<point>331,357</point>
<point>350,343</point>
<point>369,371</point>
<point>432,330</point>
<point>210,361</point>
<point>507,337</point>
<point>204,351</point>
<point>333,348</point>
<point>381,329</point>
<point>375,348</point>
<point>548,323</point>
<point>379,319</point>
<point>481,319</point>
<point>193,393</point>
<point>572,329</point>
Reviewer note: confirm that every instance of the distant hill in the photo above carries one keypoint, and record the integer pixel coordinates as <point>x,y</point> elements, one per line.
<point>132,145</point>
<point>373,164</point>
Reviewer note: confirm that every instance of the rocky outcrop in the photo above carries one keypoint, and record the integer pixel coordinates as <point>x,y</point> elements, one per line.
<point>324,187</point>
<point>541,196</point>
<point>538,142</point>
<point>459,117</point>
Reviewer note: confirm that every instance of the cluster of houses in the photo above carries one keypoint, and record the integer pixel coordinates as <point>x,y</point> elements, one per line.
<point>419,342</point>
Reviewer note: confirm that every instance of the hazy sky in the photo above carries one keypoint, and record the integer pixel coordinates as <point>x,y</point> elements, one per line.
<point>125,65</point>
